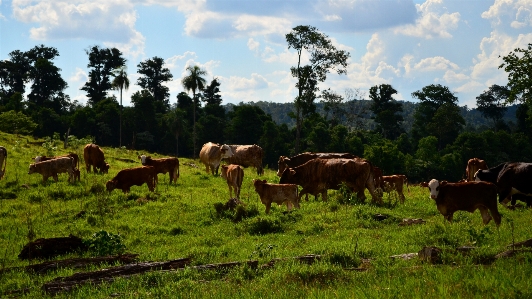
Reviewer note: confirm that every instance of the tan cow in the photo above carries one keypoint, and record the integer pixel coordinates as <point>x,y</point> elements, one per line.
<point>133,176</point>
<point>395,182</point>
<point>298,160</point>
<point>247,155</point>
<point>74,156</point>
<point>93,156</point>
<point>51,168</point>
<point>233,174</point>
<point>473,165</point>
<point>211,155</point>
<point>162,165</point>
<point>3,161</point>
<point>468,196</point>
<point>276,193</point>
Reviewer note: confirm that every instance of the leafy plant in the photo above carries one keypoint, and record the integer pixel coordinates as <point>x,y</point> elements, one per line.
<point>104,243</point>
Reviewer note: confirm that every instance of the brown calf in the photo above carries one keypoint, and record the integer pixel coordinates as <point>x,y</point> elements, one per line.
<point>162,165</point>
<point>276,193</point>
<point>133,176</point>
<point>233,174</point>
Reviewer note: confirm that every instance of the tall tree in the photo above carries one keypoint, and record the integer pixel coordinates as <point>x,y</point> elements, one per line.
<point>120,82</point>
<point>154,75</point>
<point>324,58</point>
<point>491,103</point>
<point>518,65</point>
<point>386,110</point>
<point>446,124</point>
<point>332,102</point>
<point>102,62</point>
<point>14,73</point>
<point>194,82</point>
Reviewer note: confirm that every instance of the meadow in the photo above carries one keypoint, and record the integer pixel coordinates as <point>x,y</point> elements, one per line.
<point>181,220</point>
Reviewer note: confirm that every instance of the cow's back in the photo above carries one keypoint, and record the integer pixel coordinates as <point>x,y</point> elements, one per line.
<point>466,195</point>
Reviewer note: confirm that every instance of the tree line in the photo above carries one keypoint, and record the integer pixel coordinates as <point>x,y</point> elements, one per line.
<point>436,143</point>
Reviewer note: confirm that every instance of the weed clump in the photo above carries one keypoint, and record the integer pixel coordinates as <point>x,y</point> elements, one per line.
<point>7,195</point>
<point>97,188</point>
<point>262,226</point>
<point>235,210</point>
<point>174,231</point>
<point>35,197</point>
<point>104,243</point>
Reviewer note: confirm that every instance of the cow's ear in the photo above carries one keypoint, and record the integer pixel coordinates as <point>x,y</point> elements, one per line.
<point>148,157</point>
<point>264,181</point>
<point>224,166</point>
<point>138,157</point>
<point>292,172</point>
<point>443,183</point>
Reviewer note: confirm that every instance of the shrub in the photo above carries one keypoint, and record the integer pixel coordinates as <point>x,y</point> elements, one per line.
<point>262,226</point>
<point>103,243</point>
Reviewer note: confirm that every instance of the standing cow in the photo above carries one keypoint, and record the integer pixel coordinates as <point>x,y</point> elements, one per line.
<point>473,165</point>
<point>395,182</point>
<point>211,155</point>
<point>466,196</point>
<point>133,176</point>
<point>513,180</point>
<point>297,160</point>
<point>51,168</point>
<point>276,193</point>
<point>94,156</point>
<point>3,161</point>
<point>162,165</point>
<point>234,175</point>
<point>247,155</point>
<point>75,159</point>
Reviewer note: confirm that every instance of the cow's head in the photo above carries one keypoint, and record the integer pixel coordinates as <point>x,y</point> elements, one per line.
<point>37,159</point>
<point>143,159</point>
<point>32,169</point>
<point>477,179</point>
<point>434,187</point>
<point>259,183</point>
<point>226,151</point>
<point>105,168</point>
<point>110,185</point>
<point>282,164</point>
<point>287,176</point>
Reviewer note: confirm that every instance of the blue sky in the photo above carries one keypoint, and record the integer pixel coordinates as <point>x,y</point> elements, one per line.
<point>408,44</point>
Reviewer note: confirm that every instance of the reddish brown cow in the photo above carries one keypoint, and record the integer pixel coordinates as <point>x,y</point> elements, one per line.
<point>318,175</point>
<point>276,193</point>
<point>162,165</point>
<point>93,156</point>
<point>377,176</point>
<point>211,155</point>
<point>51,168</point>
<point>3,159</point>
<point>395,182</point>
<point>233,174</point>
<point>74,157</point>
<point>133,176</point>
<point>467,196</point>
<point>298,160</point>
<point>247,155</point>
<point>473,165</point>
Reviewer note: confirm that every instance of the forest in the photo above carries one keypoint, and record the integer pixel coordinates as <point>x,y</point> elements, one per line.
<point>433,137</point>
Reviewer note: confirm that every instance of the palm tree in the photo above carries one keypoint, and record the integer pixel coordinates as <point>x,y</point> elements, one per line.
<point>120,82</point>
<point>194,81</point>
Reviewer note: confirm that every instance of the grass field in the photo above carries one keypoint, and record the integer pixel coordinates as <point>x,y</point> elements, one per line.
<point>181,221</point>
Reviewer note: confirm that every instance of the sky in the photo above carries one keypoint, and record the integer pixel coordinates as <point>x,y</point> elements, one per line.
<point>407,44</point>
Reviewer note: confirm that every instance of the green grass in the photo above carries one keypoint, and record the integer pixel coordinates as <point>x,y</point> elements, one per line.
<point>181,221</point>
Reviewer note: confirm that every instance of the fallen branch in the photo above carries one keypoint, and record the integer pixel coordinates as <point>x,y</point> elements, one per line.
<point>308,259</point>
<point>527,243</point>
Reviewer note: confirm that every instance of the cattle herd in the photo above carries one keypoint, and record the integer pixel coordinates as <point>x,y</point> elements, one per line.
<point>314,172</point>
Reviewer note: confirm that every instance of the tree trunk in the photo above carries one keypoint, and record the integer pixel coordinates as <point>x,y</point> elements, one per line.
<point>120,144</point>
<point>194,126</point>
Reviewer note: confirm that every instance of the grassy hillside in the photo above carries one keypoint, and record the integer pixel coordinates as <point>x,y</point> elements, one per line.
<point>180,221</point>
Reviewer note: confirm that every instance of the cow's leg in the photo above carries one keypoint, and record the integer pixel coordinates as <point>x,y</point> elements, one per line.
<point>87,167</point>
<point>55,177</point>
<point>230,191</point>
<point>288,205</point>
<point>268,206</point>
<point>324,195</point>
<point>495,213</point>
<point>449,217</point>
<point>486,217</point>
<point>361,196</point>
<point>237,192</point>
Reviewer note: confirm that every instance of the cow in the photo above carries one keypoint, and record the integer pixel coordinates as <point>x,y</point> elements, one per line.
<point>247,155</point>
<point>51,168</point>
<point>3,161</point>
<point>395,182</point>
<point>233,174</point>
<point>473,165</point>
<point>467,196</point>
<point>318,175</point>
<point>276,193</point>
<point>162,165</point>
<point>211,155</point>
<point>74,156</point>
<point>511,178</point>
<point>297,160</point>
<point>377,176</point>
<point>133,176</point>
<point>93,156</point>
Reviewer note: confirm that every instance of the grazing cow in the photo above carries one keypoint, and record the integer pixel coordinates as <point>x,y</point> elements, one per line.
<point>318,175</point>
<point>467,196</point>
<point>395,182</point>
<point>74,156</point>
<point>247,155</point>
<point>162,165</point>
<point>473,165</point>
<point>211,155</point>
<point>51,168</point>
<point>297,160</point>
<point>133,176</point>
<point>377,176</point>
<point>233,174</point>
<point>511,178</point>
<point>94,156</point>
<point>276,193</point>
<point>3,160</point>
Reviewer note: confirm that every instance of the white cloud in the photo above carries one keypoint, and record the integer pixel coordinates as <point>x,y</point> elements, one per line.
<point>172,62</point>
<point>253,45</point>
<point>453,77</point>
<point>437,63</point>
<point>432,23</point>
<point>518,13</point>
<point>256,81</point>
<point>79,76</point>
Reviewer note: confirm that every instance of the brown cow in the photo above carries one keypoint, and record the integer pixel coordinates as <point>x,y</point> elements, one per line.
<point>297,160</point>
<point>162,165</point>
<point>3,159</point>
<point>51,168</point>
<point>233,174</point>
<point>74,156</point>
<point>318,175</point>
<point>94,156</point>
<point>247,155</point>
<point>395,182</point>
<point>467,196</point>
<point>211,155</point>
<point>276,193</point>
<point>473,165</point>
<point>133,176</point>
<point>377,176</point>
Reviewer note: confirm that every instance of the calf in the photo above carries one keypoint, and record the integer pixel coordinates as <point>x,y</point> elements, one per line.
<point>51,168</point>
<point>163,165</point>
<point>467,196</point>
<point>233,174</point>
<point>133,176</point>
<point>277,193</point>
<point>395,182</point>
<point>74,157</point>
